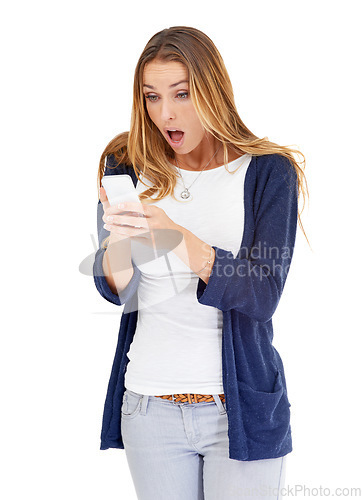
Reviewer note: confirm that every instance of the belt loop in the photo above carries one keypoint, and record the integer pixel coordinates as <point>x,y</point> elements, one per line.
<point>145,399</point>
<point>174,402</point>
<point>219,404</point>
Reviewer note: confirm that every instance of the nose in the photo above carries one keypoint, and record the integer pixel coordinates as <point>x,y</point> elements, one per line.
<point>167,110</point>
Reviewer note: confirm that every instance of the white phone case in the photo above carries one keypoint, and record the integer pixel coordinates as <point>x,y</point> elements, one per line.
<point>120,188</point>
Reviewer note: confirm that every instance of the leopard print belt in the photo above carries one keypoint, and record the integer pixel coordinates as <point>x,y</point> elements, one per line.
<point>192,398</point>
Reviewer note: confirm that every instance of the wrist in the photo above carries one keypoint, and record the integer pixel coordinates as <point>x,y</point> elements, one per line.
<point>200,254</point>
<point>209,263</point>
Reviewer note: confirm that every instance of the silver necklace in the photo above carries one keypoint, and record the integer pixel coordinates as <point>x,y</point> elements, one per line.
<point>186,195</point>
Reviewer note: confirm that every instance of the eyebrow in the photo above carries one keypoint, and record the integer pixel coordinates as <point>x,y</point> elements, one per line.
<point>171,86</point>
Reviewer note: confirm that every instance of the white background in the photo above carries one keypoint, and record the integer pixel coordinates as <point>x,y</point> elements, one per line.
<point>66,91</point>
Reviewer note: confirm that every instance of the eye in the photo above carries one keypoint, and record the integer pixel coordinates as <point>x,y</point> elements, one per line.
<point>151,98</point>
<point>183,95</point>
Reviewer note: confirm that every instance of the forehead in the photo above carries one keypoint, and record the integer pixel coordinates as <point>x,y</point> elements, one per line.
<point>164,70</point>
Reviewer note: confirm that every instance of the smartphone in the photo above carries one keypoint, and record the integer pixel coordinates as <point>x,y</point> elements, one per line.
<point>119,188</point>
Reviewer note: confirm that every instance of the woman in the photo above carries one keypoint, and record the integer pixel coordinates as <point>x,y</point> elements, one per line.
<point>197,395</point>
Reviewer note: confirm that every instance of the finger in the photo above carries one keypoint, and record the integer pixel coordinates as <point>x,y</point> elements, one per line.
<point>103,198</point>
<point>125,230</point>
<point>115,210</point>
<point>133,221</point>
<point>132,206</point>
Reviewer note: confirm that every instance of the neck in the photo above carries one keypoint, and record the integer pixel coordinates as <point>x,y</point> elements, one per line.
<point>200,156</point>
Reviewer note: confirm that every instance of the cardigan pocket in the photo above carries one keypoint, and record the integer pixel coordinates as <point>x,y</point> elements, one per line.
<point>265,415</point>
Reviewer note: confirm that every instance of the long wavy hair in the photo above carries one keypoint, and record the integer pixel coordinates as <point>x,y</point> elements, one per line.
<point>145,149</point>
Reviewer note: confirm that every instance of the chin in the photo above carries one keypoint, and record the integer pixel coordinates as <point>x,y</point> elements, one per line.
<point>186,149</point>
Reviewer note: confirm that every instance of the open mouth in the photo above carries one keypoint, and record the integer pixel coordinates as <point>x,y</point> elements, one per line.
<point>175,135</point>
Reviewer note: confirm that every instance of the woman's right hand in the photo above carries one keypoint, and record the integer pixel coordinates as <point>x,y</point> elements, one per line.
<point>125,231</point>
<point>108,210</point>
<point>141,234</point>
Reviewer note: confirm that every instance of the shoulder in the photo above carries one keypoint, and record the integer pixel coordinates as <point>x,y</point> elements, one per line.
<point>114,167</point>
<point>274,165</point>
<point>272,179</point>
<point>273,172</point>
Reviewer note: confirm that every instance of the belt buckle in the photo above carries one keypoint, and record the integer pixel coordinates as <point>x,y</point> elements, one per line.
<point>193,398</point>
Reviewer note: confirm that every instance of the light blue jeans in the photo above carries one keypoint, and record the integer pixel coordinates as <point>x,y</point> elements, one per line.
<point>180,451</point>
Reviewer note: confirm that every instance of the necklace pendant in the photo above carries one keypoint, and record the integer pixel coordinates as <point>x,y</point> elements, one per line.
<point>185,194</point>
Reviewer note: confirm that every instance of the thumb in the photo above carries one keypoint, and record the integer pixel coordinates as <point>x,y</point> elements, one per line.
<point>103,196</point>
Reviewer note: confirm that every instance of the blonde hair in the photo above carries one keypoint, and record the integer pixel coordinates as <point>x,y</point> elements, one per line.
<point>145,148</point>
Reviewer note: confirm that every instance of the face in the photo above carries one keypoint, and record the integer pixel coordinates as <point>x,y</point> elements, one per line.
<point>169,105</point>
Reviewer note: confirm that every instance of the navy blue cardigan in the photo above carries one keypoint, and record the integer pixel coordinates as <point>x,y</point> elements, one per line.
<point>247,290</point>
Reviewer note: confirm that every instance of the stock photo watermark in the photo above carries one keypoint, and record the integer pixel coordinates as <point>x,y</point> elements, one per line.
<point>257,263</point>
<point>293,491</point>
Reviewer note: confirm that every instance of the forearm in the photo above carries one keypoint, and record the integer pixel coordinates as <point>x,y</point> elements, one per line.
<point>195,253</point>
<point>117,264</point>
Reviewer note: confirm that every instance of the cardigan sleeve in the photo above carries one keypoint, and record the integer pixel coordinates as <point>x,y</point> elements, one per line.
<point>253,285</point>
<point>98,272</point>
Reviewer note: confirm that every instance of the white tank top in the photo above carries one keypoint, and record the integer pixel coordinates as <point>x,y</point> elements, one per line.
<point>177,343</point>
